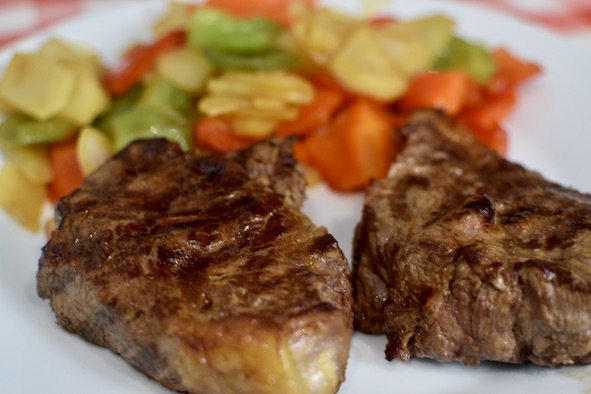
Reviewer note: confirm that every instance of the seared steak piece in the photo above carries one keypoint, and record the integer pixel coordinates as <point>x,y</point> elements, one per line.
<point>462,255</point>
<point>203,273</point>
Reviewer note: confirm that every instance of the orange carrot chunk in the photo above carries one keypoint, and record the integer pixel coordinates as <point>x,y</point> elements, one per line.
<point>446,90</point>
<point>313,115</point>
<point>324,80</point>
<point>277,10</point>
<point>493,136</point>
<point>67,174</point>
<point>491,110</point>
<point>215,134</point>
<point>510,71</point>
<point>356,147</point>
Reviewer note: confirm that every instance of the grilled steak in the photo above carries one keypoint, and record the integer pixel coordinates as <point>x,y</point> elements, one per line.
<point>202,273</point>
<point>462,255</point>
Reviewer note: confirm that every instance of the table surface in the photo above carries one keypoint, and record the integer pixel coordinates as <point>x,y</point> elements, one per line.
<point>569,18</point>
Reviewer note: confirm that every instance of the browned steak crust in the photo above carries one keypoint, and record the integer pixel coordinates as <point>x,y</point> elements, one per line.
<point>463,255</point>
<point>202,273</point>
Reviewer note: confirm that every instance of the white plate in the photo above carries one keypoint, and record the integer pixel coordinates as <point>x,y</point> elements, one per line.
<point>548,132</point>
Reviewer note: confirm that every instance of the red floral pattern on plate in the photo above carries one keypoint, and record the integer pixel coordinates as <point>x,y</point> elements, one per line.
<point>565,15</point>
<point>19,18</point>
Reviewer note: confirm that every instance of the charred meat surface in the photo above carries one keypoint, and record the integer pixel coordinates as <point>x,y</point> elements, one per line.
<point>202,273</point>
<point>463,255</point>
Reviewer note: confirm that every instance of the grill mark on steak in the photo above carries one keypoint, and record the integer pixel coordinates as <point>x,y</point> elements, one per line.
<point>202,272</point>
<point>484,207</point>
<point>481,260</point>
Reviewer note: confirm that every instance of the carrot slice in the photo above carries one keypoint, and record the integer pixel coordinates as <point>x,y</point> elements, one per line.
<point>300,152</point>
<point>494,137</point>
<point>313,115</point>
<point>491,109</point>
<point>324,80</point>
<point>67,174</point>
<point>356,147</point>
<point>491,135</point>
<point>138,61</point>
<point>447,91</point>
<point>510,71</point>
<point>216,134</point>
<point>278,10</point>
<point>382,20</point>
<point>496,99</point>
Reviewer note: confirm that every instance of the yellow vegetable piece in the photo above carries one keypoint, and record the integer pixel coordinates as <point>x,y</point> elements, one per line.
<point>372,73</point>
<point>269,114</point>
<point>265,103</point>
<point>287,42</point>
<point>373,60</point>
<point>222,104</point>
<point>176,17</point>
<point>88,100</point>
<point>321,31</point>
<point>37,85</point>
<point>256,102</point>
<point>435,30</point>
<point>187,68</point>
<point>408,53</point>
<point>5,108</point>
<point>413,45</point>
<point>278,85</point>
<point>59,79</point>
<point>369,8</point>
<point>32,161</point>
<point>70,54</point>
<point>93,148</point>
<point>22,199</point>
<point>253,127</point>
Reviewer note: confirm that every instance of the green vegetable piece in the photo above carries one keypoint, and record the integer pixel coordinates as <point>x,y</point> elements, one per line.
<point>127,100</point>
<point>23,130</point>
<point>120,105</point>
<point>435,30</point>
<point>143,122</point>
<point>163,95</point>
<point>273,60</point>
<point>471,58</point>
<point>211,28</point>
<point>161,111</point>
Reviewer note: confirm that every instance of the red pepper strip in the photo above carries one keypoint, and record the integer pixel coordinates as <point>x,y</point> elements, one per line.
<point>138,61</point>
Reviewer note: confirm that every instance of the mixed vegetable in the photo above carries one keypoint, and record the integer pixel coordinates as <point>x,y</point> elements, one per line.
<point>221,76</point>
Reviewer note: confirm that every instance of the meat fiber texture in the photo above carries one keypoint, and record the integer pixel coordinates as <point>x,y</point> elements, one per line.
<point>463,255</point>
<point>202,272</point>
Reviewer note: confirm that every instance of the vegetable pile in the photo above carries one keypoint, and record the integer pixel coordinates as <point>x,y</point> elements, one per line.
<point>221,76</point>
